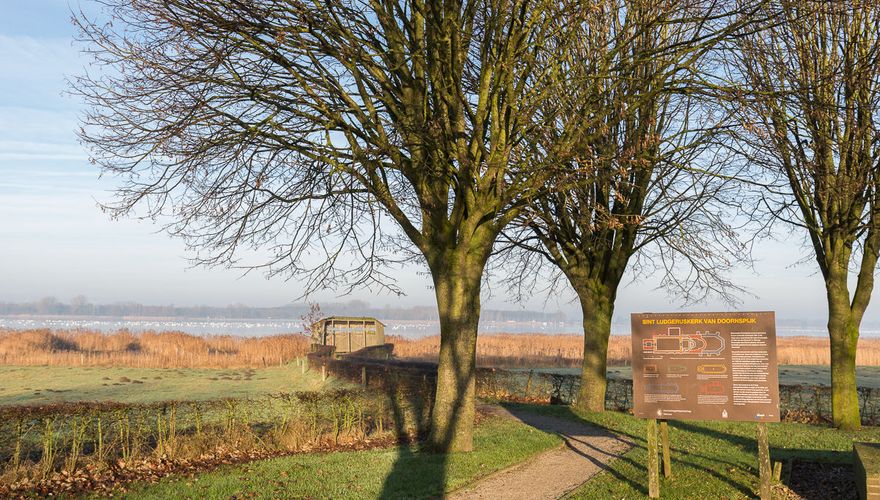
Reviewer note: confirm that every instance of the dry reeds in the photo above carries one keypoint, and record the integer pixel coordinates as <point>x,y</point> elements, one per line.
<point>147,349</point>
<point>519,350</point>
<point>817,351</point>
<point>181,350</point>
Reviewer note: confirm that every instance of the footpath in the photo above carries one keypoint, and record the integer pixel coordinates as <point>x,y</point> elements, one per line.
<point>587,451</point>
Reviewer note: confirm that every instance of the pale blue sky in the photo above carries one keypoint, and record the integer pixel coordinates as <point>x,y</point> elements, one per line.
<point>55,241</point>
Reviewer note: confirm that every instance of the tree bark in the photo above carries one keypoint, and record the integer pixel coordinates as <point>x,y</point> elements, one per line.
<point>597,305</point>
<point>843,329</point>
<point>457,287</point>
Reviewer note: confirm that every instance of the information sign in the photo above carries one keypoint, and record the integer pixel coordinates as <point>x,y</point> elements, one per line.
<point>705,366</point>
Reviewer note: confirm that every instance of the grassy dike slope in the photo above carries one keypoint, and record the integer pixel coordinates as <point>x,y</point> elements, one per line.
<point>401,472</point>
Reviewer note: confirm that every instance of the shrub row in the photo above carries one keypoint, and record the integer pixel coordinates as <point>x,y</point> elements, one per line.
<point>37,442</point>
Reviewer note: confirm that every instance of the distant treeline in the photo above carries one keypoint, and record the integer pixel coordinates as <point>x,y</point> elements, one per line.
<point>80,306</point>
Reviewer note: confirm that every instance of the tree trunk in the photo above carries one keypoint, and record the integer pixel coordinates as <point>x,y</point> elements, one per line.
<point>457,288</point>
<point>597,305</point>
<point>843,329</point>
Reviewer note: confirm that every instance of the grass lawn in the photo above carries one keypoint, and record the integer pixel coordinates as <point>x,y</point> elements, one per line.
<point>709,459</point>
<point>52,384</point>
<point>401,472</point>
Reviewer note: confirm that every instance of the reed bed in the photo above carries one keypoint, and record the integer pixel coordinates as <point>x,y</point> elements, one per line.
<point>147,349</point>
<point>513,350</point>
<point>817,351</point>
<point>181,350</point>
<point>528,350</point>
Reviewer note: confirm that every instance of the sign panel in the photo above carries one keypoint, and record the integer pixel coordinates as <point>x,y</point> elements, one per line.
<point>705,366</point>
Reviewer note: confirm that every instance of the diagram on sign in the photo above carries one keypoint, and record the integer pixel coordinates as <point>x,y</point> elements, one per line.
<point>662,388</point>
<point>715,369</point>
<point>715,388</point>
<point>675,342</point>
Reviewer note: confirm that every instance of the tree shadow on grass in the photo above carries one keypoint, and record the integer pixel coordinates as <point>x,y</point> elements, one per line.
<point>407,390</point>
<point>793,456</point>
<point>416,473</point>
<point>419,472</point>
<point>638,441</point>
<point>776,453</point>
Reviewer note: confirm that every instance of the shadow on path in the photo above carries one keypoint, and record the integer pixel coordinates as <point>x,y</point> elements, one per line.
<point>587,451</point>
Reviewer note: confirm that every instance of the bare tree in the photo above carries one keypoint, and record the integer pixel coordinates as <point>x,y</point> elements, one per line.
<point>310,318</point>
<point>647,188</point>
<point>808,110</point>
<point>307,126</point>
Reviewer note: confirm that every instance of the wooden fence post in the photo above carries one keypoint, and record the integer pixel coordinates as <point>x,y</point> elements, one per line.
<point>764,461</point>
<point>653,460</point>
<point>664,441</point>
<point>323,372</point>
<point>364,375</point>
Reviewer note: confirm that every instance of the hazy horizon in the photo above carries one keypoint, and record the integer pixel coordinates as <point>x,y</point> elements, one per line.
<point>239,319</point>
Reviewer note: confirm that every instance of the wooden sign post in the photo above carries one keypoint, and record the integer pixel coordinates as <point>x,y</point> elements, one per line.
<point>653,456</point>
<point>704,366</point>
<point>764,461</point>
<point>664,444</point>
<point>653,460</point>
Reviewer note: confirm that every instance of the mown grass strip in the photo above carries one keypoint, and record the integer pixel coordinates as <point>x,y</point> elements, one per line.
<point>401,472</point>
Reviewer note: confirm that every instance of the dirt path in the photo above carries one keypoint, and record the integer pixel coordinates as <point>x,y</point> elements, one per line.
<point>554,473</point>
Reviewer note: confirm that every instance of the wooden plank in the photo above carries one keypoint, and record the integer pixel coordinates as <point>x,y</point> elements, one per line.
<point>653,460</point>
<point>664,441</point>
<point>766,475</point>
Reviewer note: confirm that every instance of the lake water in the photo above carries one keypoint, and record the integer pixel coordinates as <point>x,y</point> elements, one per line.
<point>261,327</point>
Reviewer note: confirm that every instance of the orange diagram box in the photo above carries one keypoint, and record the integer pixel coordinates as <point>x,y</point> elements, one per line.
<point>705,366</point>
